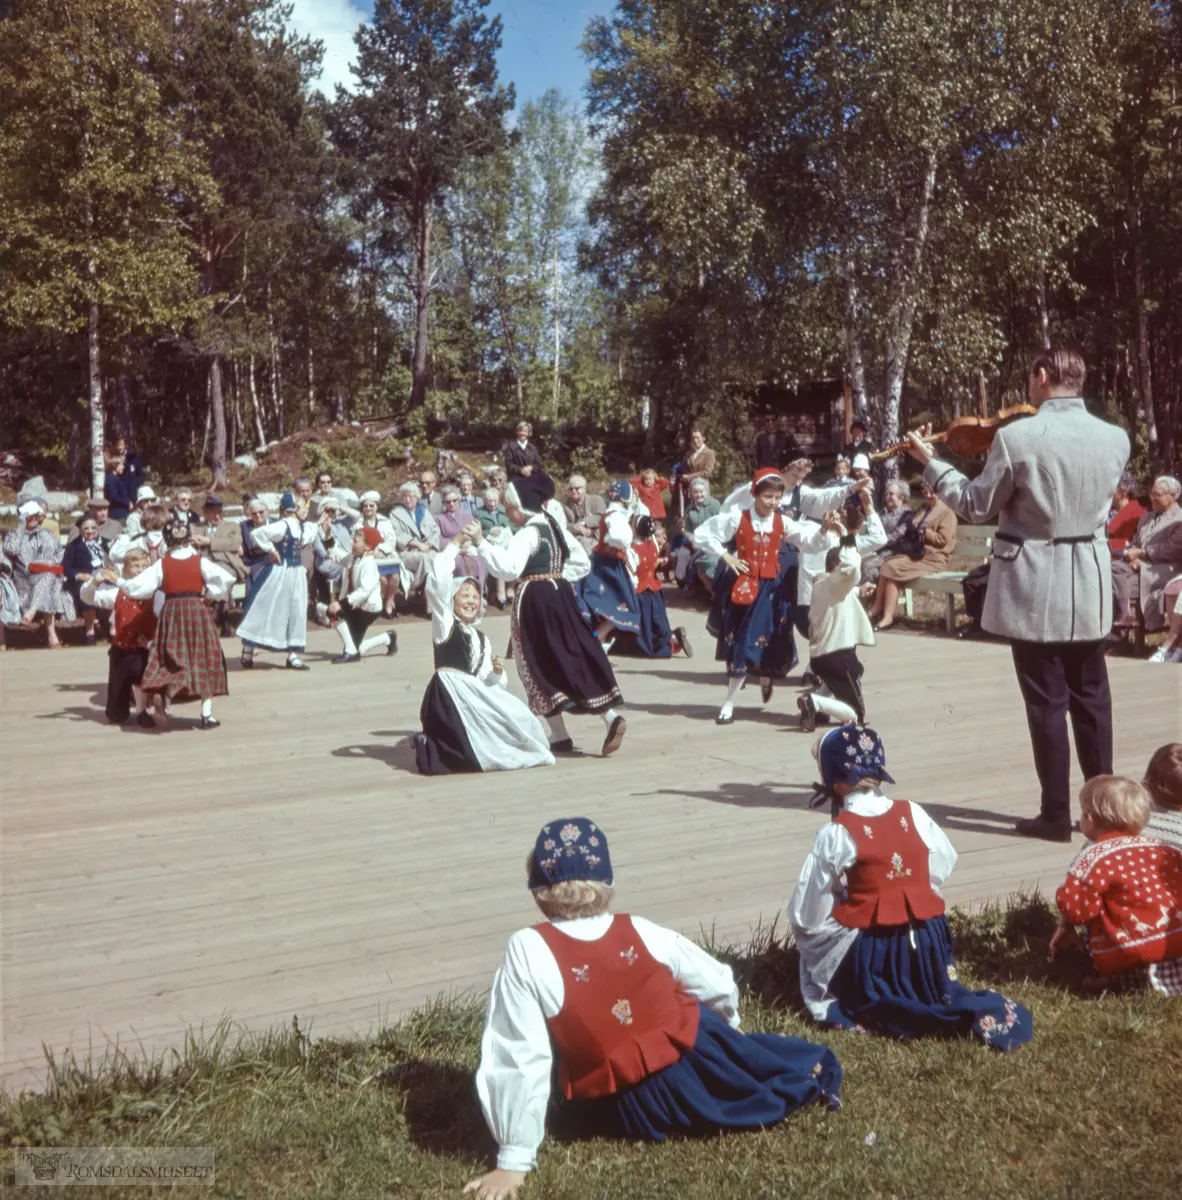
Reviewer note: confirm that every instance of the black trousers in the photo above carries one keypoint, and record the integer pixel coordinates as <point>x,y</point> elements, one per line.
<point>974,585</point>
<point>1057,679</point>
<point>841,673</point>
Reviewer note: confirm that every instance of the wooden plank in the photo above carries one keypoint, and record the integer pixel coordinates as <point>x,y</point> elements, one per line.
<point>291,862</point>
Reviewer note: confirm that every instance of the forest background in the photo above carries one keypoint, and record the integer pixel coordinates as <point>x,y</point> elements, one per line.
<point>200,251</point>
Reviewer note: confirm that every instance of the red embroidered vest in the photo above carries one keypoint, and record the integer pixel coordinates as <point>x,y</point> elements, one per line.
<point>646,567</point>
<point>601,547</point>
<point>623,1017</point>
<point>760,551</point>
<point>134,624</point>
<point>182,575</point>
<point>889,884</point>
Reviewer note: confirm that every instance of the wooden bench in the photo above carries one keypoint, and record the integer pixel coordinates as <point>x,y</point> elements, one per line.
<point>973,542</point>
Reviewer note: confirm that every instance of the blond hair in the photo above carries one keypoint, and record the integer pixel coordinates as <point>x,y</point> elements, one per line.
<point>135,554</point>
<point>572,899</point>
<point>1115,802</point>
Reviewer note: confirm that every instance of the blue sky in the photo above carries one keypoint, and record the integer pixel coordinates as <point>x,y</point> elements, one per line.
<point>539,45</point>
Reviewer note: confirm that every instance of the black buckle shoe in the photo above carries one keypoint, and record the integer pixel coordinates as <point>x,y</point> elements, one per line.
<point>1039,827</point>
<point>392,648</point>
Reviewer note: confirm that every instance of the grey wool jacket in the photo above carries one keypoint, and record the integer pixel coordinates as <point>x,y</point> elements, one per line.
<point>1048,478</point>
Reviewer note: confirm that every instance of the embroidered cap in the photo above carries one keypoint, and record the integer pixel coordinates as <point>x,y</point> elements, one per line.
<point>573,848</point>
<point>287,502</point>
<point>849,754</point>
<point>620,490</point>
<point>767,477</point>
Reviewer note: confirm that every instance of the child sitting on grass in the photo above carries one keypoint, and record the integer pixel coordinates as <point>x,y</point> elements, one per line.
<point>1125,890</point>
<point>638,1018</point>
<point>875,947</point>
<point>1163,782</point>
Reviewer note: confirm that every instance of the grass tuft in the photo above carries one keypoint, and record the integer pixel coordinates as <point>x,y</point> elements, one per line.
<point>1090,1109</point>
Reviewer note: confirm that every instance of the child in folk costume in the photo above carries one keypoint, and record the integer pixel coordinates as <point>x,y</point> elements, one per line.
<point>470,720</point>
<point>277,616</point>
<point>636,1017</point>
<point>838,625</point>
<point>868,919</point>
<point>751,614</point>
<point>186,660</point>
<point>360,604</point>
<point>133,626</point>
<point>1125,889</point>
<point>654,638</point>
<point>607,593</point>
<point>562,667</point>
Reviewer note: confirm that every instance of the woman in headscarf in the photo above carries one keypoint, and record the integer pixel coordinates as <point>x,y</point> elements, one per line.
<point>277,616</point>
<point>36,557</point>
<point>416,536</point>
<point>562,666</point>
<point>470,720</point>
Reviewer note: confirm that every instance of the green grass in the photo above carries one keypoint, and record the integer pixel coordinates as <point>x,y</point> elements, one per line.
<point>1091,1109</point>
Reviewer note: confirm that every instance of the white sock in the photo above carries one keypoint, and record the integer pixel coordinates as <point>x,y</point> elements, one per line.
<point>346,636</point>
<point>293,659</point>
<point>140,699</point>
<point>322,612</point>
<point>557,725</point>
<point>832,707</point>
<point>372,643</point>
<point>733,688</point>
<point>207,708</point>
<point>609,717</point>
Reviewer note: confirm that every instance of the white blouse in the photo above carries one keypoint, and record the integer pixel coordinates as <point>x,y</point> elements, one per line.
<point>871,537</point>
<point>268,537</point>
<point>814,502</point>
<point>442,586</point>
<point>218,580</point>
<point>509,561</point>
<point>714,535</point>
<point>513,1080</point>
<point>823,942</point>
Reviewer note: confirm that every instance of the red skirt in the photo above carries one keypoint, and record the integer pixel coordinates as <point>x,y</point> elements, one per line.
<point>186,662</point>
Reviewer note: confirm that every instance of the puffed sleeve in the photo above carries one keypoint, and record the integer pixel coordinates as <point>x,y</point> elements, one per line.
<point>941,855</point>
<point>218,581</point>
<point>513,1080</point>
<point>509,561</point>
<point>714,535</point>
<point>438,591</point>
<point>265,536</point>
<point>819,885</point>
<point>578,562</point>
<point>145,583</point>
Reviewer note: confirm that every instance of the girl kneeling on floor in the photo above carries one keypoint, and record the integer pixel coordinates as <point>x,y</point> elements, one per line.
<point>868,919</point>
<point>644,1025</point>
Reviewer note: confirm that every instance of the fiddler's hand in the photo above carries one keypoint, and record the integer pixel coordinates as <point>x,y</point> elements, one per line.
<point>498,665</point>
<point>918,448</point>
<point>497,1185</point>
<point>474,532</point>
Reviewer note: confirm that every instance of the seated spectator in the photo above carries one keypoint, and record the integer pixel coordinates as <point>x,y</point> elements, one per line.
<point>469,500</point>
<point>37,574</point>
<point>1163,782</point>
<point>10,601</point>
<point>221,542</point>
<point>841,472</point>
<point>253,557</point>
<point>97,507</point>
<point>118,489</point>
<point>452,521</point>
<point>84,558</point>
<point>584,513</point>
<point>1126,511</point>
<point>333,542</point>
<point>521,457</point>
<point>416,536</point>
<point>1151,559</point>
<point>389,560</point>
<point>429,494</point>
<point>691,563</point>
<point>897,517</point>
<point>650,487</point>
<point>859,443</point>
<point>1125,890</point>
<point>148,535</point>
<point>143,498</point>
<point>182,509</point>
<point>301,489</point>
<point>498,478</point>
<point>492,518</point>
<point>936,524</point>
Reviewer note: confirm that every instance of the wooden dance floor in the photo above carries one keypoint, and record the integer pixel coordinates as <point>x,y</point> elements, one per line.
<point>291,862</point>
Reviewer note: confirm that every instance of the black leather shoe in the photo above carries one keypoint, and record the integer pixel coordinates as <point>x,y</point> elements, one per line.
<point>565,746</point>
<point>145,720</point>
<point>347,658</point>
<point>209,722</point>
<point>683,641</point>
<point>808,713</point>
<point>392,648</point>
<point>298,666</point>
<point>1037,827</point>
<point>766,690</point>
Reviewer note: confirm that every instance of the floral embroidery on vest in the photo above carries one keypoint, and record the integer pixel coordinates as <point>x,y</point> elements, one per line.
<point>898,870</point>
<point>582,974</point>
<point>622,1011</point>
<point>629,956</point>
<point>903,822</point>
<point>868,831</point>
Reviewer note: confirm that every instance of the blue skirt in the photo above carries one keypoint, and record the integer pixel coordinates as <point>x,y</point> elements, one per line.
<point>385,570</point>
<point>757,638</point>
<point>887,985</point>
<point>655,638</point>
<point>730,1081</point>
<point>608,594</point>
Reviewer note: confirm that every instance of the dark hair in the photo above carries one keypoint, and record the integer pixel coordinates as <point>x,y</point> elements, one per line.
<point>857,423</point>
<point>833,558</point>
<point>1065,369</point>
<point>155,517</point>
<point>1163,776</point>
<point>852,513</point>
<point>645,528</point>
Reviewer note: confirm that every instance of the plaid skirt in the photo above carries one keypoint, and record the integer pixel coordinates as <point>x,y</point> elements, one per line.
<point>186,662</point>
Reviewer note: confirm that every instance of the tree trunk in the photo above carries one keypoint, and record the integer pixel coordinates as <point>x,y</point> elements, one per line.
<point>854,365</point>
<point>340,409</point>
<point>1144,366</point>
<point>557,329</point>
<point>422,293</point>
<point>311,384</point>
<point>236,410</point>
<point>217,409</point>
<point>276,370</point>
<point>98,466</point>
<point>260,435</point>
<point>1044,317</point>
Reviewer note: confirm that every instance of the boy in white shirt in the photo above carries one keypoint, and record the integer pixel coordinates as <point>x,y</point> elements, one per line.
<point>838,625</point>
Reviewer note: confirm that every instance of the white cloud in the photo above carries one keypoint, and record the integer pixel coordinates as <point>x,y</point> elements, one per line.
<point>333,22</point>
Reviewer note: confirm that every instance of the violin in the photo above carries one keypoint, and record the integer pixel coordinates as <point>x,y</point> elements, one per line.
<point>966,436</point>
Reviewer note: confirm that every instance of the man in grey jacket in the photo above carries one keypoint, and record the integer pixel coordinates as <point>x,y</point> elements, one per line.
<point>1048,481</point>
